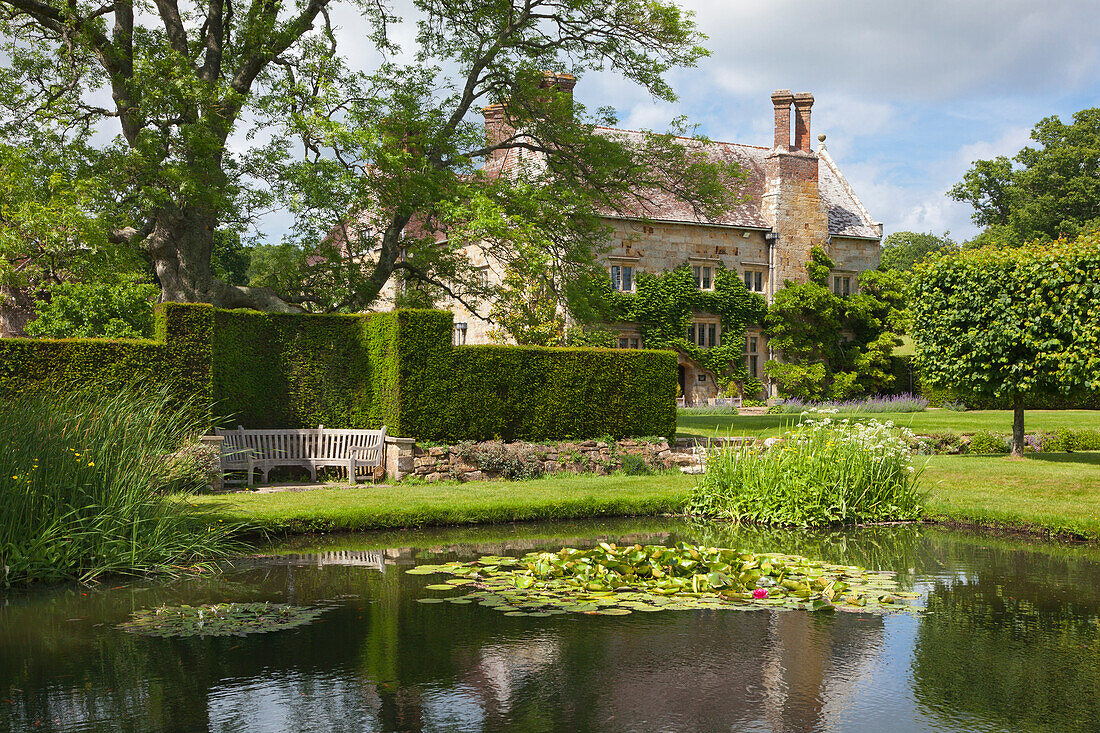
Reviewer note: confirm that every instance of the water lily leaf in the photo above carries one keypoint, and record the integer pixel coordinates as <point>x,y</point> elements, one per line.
<point>439,586</point>
<point>430,600</point>
<point>613,611</point>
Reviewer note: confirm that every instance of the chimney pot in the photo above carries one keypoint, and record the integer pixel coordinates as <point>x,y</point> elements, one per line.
<point>803,103</point>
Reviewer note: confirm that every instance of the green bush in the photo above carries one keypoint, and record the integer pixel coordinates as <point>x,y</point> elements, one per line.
<point>985,442</point>
<point>274,370</point>
<point>1065,440</point>
<point>822,473</point>
<point>633,465</point>
<point>84,481</point>
<point>122,310</point>
<point>450,393</point>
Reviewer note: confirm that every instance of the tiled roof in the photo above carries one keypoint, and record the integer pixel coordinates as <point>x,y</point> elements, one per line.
<point>847,215</point>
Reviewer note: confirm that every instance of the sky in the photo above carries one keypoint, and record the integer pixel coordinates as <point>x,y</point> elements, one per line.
<point>909,93</point>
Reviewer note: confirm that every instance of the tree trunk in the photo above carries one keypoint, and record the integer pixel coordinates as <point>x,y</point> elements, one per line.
<point>180,246</point>
<point>1018,427</point>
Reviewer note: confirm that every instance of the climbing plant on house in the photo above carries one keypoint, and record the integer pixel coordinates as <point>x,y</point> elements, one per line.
<point>663,306</point>
<point>833,346</point>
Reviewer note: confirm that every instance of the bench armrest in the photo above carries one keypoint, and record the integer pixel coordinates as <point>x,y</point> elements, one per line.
<point>363,448</point>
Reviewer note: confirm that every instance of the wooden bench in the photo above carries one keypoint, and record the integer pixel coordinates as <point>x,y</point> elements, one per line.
<point>349,449</point>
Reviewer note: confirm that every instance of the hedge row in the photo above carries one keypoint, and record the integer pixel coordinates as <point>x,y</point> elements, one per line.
<point>291,371</point>
<point>397,369</point>
<point>179,357</point>
<point>451,393</point>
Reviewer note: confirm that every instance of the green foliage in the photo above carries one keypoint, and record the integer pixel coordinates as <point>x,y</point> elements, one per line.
<point>822,473</point>
<point>634,465</point>
<point>527,311</point>
<point>1066,440</point>
<point>219,619</point>
<point>275,370</point>
<point>984,442</point>
<point>121,310</point>
<point>520,392</point>
<point>599,338</point>
<point>664,304</point>
<point>1045,192</point>
<point>609,580</point>
<point>83,477</point>
<point>1011,324</point>
<point>902,251</point>
<point>230,260</point>
<point>835,347</point>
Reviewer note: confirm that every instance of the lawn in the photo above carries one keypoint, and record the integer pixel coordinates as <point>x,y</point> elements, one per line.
<point>923,423</point>
<point>1057,492</point>
<point>1051,491</point>
<point>418,505</point>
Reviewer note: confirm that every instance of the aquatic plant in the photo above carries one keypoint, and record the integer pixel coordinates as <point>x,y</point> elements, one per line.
<point>87,482</point>
<point>823,472</point>
<point>609,580</point>
<point>220,619</point>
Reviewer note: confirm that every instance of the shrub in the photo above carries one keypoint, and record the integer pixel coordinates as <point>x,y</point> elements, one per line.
<point>509,461</point>
<point>947,442</point>
<point>633,465</point>
<point>121,310</point>
<point>889,403</point>
<point>822,473</point>
<point>84,482</point>
<point>985,442</point>
<point>1065,440</point>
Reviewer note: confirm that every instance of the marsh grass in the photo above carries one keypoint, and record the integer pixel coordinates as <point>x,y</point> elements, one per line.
<point>823,473</point>
<point>84,482</point>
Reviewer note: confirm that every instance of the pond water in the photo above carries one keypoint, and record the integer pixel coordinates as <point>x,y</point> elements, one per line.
<point>1010,641</point>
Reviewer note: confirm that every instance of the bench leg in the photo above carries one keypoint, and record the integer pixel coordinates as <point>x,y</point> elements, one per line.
<point>351,470</point>
<point>313,474</point>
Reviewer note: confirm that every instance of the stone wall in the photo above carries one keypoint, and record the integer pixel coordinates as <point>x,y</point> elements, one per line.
<point>492,460</point>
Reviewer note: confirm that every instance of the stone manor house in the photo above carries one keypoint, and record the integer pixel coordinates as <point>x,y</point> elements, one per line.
<point>795,199</point>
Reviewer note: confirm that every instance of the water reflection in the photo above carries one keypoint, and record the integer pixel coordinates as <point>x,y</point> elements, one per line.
<point>1010,642</point>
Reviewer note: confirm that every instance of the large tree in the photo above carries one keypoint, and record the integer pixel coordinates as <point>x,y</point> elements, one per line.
<point>905,250</point>
<point>1011,324</point>
<point>358,155</point>
<point>1044,192</point>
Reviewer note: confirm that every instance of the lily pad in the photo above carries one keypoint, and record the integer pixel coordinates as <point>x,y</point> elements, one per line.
<point>613,581</point>
<point>220,619</point>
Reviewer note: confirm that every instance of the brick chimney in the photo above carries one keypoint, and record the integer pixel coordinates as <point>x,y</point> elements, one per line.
<point>782,100</point>
<point>499,128</point>
<point>791,202</point>
<point>803,103</point>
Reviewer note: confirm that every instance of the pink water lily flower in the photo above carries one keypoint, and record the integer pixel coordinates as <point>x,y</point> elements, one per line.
<point>760,593</point>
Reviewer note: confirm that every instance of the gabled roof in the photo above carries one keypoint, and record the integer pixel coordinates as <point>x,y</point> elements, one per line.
<point>847,215</point>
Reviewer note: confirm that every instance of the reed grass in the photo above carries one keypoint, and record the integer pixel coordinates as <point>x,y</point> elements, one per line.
<point>85,482</point>
<point>823,473</point>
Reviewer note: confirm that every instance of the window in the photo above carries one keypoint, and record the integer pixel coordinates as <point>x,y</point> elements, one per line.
<point>705,334</point>
<point>635,343</point>
<point>702,276</point>
<point>629,342</point>
<point>754,281</point>
<point>460,334</point>
<point>702,377</point>
<point>483,276</point>
<point>624,343</point>
<point>842,284</point>
<point>752,356</point>
<point>622,278</point>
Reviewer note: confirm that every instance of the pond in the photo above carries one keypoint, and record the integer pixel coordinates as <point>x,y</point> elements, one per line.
<point>1009,640</point>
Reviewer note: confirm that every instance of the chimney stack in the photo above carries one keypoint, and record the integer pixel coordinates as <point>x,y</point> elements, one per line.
<point>782,100</point>
<point>497,125</point>
<point>803,102</point>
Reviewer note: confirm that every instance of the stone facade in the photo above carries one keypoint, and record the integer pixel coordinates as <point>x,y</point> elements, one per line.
<point>795,198</point>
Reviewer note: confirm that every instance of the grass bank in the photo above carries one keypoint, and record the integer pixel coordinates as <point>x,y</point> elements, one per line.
<point>1046,492</point>
<point>476,502</point>
<point>922,423</point>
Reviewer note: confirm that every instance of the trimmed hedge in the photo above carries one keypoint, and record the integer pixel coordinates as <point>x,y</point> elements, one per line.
<point>397,369</point>
<point>183,361</point>
<point>275,370</point>
<point>450,393</point>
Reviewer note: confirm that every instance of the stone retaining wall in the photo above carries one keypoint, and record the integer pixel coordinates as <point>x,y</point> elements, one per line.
<point>493,459</point>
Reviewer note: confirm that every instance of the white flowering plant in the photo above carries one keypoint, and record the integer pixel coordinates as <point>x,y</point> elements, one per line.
<point>822,472</point>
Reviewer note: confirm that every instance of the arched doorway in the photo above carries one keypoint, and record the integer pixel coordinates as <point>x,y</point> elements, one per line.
<point>682,377</point>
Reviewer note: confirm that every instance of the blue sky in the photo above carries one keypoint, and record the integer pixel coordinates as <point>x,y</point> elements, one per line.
<point>909,92</point>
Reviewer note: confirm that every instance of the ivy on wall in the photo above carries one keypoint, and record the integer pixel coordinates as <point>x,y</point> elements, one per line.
<point>664,305</point>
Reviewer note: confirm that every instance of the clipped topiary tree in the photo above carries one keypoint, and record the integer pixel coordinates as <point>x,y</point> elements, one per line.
<point>1011,324</point>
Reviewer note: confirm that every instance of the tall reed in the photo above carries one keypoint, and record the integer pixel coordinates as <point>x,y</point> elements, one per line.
<point>90,482</point>
<point>821,473</point>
